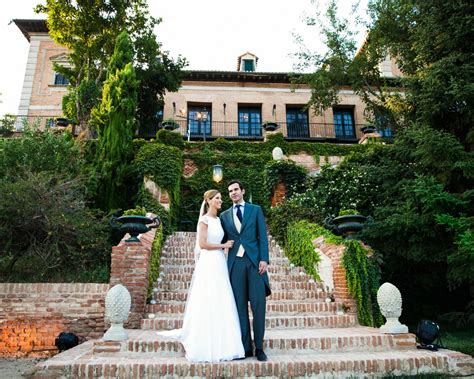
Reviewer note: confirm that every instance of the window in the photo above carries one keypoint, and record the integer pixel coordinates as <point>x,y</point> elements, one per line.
<point>199,121</point>
<point>60,80</point>
<point>344,123</point>
<point>382,124</point>
<point>249,65</point>
<point>297,123</point>
<point>250,121</point>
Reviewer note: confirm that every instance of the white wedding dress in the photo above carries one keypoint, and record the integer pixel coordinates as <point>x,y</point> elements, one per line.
<point>211,329</point>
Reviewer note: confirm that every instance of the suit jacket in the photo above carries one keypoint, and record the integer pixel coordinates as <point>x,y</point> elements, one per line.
<point>252,236</point>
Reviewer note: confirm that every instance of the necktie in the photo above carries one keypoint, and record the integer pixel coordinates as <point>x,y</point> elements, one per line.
<point>239,212</point>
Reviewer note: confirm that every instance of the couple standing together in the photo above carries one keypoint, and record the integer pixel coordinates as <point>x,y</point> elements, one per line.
<point>216,324</point>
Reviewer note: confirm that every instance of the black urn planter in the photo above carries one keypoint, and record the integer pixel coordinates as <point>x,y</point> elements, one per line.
<point>347,226</point>
<point>169,125</point>
<point>368,129</point>
<point>270,126</point>
<point>134,225</point>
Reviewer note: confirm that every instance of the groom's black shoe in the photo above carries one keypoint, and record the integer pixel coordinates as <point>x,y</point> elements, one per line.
<point>261,356</point>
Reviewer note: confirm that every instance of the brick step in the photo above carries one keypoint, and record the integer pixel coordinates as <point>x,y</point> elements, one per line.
<point>189,262</point>
<point>164,286</point>
<point>276,295</point>
<point>280,342</point>
<point>274,278</point>
<point>272,307</point>
<point>175,321</point>
<point>272,269</point>
<point>79,362</point>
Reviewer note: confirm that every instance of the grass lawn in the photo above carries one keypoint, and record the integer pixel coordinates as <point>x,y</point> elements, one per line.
<point>459,340</point>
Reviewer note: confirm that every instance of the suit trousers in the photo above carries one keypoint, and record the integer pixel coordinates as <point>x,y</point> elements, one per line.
<point>248,285</point>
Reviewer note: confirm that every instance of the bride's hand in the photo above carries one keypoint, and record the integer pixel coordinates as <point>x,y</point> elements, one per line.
<point>228,244</point>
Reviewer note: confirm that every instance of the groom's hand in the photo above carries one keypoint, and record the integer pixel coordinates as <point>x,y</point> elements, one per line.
<point>262,267</point>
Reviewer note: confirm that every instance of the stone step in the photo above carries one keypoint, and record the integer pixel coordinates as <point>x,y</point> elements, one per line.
<point>164,286</point>
<point>272,269</point>
<point>81,362</point>
<point>276,295</point>
<point>282,342</point>
<point>289,307</point>
<point>274,278</point>
<point>275,321</point>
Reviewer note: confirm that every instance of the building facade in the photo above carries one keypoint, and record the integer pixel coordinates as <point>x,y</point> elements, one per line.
<point>209,104</point>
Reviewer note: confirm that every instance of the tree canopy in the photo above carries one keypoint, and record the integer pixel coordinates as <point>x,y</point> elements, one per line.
<point>430,41</point>
<point>88,29</point>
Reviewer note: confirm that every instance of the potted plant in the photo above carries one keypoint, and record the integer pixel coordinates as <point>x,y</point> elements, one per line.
<point>348,223</point>
<point>169,124</point>
<point>134,222</point>
<point>270,126</point>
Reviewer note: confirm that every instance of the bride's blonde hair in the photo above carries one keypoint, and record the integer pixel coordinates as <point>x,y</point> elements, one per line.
<point>209,195</point>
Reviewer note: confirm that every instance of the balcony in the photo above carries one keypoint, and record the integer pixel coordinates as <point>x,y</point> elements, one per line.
<point>317,132</point>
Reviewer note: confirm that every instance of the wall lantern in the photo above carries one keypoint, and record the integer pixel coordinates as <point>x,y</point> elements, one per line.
<point>217,174</point>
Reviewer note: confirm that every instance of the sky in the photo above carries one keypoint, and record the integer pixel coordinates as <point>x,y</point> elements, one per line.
<point>211,34</point>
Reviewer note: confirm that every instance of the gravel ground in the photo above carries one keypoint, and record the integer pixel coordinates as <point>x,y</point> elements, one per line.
<point>18,368</point>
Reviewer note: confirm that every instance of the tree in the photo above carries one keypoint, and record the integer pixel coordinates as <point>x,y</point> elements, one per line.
<point>430,41</point>
<point>89,30</point>
<point>115,118</point>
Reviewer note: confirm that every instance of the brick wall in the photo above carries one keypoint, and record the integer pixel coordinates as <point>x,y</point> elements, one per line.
<point>130,267</point>
<point>335,253</point>
<point>33,314</point>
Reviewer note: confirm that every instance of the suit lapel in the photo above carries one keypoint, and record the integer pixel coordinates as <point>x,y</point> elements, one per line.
<point>229,215</point>
<point>247,213</point>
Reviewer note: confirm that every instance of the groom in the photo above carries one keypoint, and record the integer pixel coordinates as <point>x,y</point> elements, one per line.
<point>247,262</point>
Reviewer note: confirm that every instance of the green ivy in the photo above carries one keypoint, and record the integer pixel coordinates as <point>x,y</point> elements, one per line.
<point>155,259</point>
<point>292,174</point>
<point>363,282</point>
<point>300,249</point>
<point>169,138</point>
<point>362,272</point>
<point>164,165</point>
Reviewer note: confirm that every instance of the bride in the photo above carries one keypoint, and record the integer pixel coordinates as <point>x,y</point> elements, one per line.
<point>211,328</point>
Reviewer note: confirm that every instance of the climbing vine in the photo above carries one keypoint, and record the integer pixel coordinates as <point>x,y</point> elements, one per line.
<point>288,171</point>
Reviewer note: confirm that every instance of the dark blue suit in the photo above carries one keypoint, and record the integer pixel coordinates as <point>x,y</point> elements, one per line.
<point>247,283</point>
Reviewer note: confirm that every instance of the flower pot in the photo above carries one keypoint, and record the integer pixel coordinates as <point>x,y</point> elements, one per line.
<point>134,225</point>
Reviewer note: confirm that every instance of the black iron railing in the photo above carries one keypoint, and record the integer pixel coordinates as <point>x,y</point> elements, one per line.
<point>216,129</point>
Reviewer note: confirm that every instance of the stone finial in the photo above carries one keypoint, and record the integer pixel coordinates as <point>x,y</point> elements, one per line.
<point>277,154</point>
<point>390,304</point>
<point>117,308</point>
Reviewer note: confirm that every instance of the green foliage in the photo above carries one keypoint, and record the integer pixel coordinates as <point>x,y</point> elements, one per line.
<point>362,271</point>
<point>89,31</point>
<point>137,211</point>
<point>7,124</point>
<point>47,232</point>
<point>292,175</point>
<point>299,247</point>
<point>115,118</point>
<point>169,138</point>
<point>363,282</point>
<point>346,212</point>
<point>164,165</point>
<point>155,259</point>
<point>40,151</point>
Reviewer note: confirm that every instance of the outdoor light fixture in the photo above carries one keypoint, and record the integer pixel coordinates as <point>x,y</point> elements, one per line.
<point>274,109</point>
<point>224,105</point>
<point>217,174</point>
<point>427,333</point>
<point>201,117</point>
<point>174,107</point>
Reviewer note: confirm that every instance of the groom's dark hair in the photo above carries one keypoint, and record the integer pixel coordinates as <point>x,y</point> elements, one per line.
<point>235,182</point>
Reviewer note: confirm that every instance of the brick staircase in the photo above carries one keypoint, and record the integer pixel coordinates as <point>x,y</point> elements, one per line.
<point>307,335</point>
